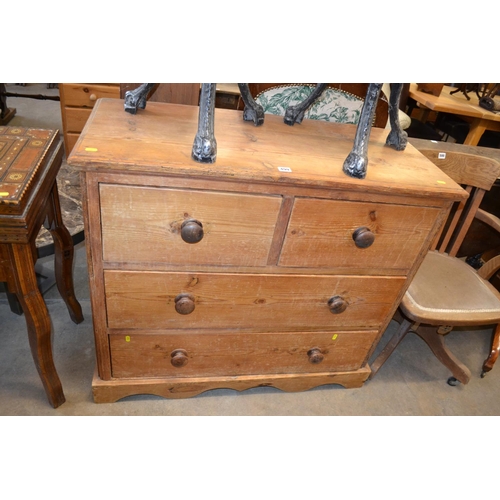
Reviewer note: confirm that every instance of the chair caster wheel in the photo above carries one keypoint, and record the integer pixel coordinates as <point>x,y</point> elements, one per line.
<point>453,381</point>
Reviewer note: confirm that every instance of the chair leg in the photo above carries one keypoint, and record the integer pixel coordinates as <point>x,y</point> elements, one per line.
<point>437,345</point>
<point>403,329</point>
<point>495,349</point>
<point>63,251</point>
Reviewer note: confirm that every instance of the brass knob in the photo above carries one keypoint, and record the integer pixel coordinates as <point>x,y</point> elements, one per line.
<point>337,304</point>
<point>363,237</point>
<point>315,355</point>
<point>184,303</point>
<point>192,231</point>
<point>179,358</point>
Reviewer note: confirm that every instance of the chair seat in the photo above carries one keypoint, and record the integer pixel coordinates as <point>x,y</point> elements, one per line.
<point>447,291</point>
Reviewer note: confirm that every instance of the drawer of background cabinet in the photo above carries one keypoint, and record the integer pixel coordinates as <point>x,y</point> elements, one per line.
<point>177,226</point>
<point>217,354</point>
<point>86,94</point>
<point>160,300</point>
<point>76,118</point>
<point>359,235</point>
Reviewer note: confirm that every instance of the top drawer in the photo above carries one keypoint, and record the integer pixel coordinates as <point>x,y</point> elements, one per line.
<point>335,234</point>
<point>86,94</point>
<point>181,226</point>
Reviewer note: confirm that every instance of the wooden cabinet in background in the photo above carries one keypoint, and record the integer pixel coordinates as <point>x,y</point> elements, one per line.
<point>77,101</point>
<point>270,267</point>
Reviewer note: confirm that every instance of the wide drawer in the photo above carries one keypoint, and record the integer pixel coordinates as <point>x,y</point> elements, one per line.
<point>216,354</point>
<point>160,300</point>
<point>147,225</point>
<point>322,233</point>
<point>86,94</point>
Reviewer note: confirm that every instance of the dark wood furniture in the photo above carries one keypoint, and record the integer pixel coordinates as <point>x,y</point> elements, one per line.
<point>29,162</point>
<point>270,267</point>
<point>6,113</point>
<point>446,291</point>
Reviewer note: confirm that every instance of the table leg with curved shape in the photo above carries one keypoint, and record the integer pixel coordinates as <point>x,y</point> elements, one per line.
<point>37,321</point>
<point>63,254</point>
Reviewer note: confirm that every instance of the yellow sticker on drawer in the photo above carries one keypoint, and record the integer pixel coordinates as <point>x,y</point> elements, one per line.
<point>127,338</point>
<point>91,150</point>
<point>335,337</point>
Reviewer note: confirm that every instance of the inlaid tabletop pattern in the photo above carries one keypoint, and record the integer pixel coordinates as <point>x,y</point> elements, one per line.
<point>22,151</point>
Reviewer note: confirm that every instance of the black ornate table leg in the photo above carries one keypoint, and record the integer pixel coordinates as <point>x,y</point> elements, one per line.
<point>397,137</point>
<point>357,161</point>
<point>137,98</point>
<point>253,111</point>
<point>295,114</point>
<point>205,145</point>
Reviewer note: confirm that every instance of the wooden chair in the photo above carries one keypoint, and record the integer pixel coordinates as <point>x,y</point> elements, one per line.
<point>447,292</point>
<point>355,91</point>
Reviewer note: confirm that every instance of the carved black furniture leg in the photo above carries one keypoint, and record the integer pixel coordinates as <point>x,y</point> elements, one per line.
<point>253,111</point>
<point>397,137</point>
<point>356,162</point>
<point>205,145</point>
<point>137,98</point>
<point>295,114</point>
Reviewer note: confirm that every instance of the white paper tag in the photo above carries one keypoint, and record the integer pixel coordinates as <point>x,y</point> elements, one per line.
<point>284,169</point>
<point>441,156</point>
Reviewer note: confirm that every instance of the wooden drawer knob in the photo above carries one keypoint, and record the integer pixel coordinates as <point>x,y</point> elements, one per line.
<point>192,231</point>
<point>93,97</point>
<point>184,303</point>
<point>179,358</point>
<point>337,305</point>
<point>363,237</point>
<point>315,355</point>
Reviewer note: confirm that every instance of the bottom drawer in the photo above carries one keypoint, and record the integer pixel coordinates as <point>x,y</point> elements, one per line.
<point>217,354</point>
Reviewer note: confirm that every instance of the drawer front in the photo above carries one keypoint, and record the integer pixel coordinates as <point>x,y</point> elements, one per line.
<point>147,225</point>
<point>76,118</point>
<point>86,94</point>
<point>223,354</point>
<point>158,300</point>
<point>70,139</point>
<point>320,234</point>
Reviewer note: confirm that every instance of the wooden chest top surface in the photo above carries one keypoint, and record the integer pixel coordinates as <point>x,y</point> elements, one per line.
<point>159,139</point>
<point>24,152</point>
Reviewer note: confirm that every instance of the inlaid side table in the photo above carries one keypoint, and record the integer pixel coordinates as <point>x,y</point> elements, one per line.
<point>29,162</point>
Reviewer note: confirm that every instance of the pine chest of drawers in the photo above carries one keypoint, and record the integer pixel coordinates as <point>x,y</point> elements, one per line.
<point>270,267</point>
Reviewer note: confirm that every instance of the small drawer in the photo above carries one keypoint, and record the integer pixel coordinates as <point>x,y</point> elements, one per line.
<point>179,227</point>
<point>247,302</point>
<point>355,235</point>
<point>230,354</point>
<point>76,118</point>
<point>86,94</point>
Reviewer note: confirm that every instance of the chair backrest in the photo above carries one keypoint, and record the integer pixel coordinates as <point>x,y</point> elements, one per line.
<point>340,102</point>
<point>476,174</point>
